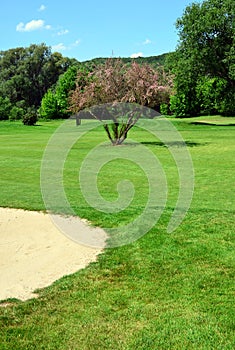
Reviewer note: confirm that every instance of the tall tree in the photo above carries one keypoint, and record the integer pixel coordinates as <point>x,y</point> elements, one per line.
<point>27,73</point>
<point>206,48</point>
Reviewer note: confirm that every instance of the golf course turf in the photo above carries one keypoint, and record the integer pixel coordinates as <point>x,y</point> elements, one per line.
<point>164,291</point>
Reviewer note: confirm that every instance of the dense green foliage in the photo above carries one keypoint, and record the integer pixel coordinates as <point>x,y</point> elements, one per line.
<point>49,106</point>
<point>26,74</point>
<point>30,117</point>
<point>5,108</point>
<point>55,103</point>
<point>165,291</point>
<point>205,59</point>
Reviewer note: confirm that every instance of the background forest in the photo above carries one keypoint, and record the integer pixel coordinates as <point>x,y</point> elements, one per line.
<point>199,76</point>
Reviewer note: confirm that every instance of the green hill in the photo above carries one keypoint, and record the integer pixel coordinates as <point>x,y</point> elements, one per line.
<point>152,60</point>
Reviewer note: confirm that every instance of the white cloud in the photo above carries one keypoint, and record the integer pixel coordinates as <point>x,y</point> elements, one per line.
<point>76,43</point>
<point>42,8</point>
<point>63,32</point>
<point>147,42</point>
<point>136,55</point>
<point>59,47</point>
<point>63,47</point>
<point>32,25</point>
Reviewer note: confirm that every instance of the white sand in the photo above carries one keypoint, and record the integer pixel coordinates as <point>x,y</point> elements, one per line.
<point>34,253</point>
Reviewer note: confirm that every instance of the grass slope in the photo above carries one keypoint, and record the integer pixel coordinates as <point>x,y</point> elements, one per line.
<point>165,291</point>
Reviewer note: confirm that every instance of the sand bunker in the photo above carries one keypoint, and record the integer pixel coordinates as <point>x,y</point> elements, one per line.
<point>34,253</point>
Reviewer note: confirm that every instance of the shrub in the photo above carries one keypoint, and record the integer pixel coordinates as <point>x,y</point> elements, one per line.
<point>184,105</point>
<point>5,108</point>
<point>178,105</point>
<point>226,104</point>
<point>16,113</point>
<point>49,106</point>
<point>164,109</point>
<point>210,94</point>
<point>30,117</point>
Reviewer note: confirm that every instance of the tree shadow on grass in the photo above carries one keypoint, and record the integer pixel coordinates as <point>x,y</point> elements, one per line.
<point>174,144</point>
<point>212,124</point>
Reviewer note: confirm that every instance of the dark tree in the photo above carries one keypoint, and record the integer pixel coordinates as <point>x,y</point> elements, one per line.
<point>27,73</point>
<point>206,48</point>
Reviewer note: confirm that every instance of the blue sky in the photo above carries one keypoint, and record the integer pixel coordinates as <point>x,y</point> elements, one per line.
<point>87,29</point>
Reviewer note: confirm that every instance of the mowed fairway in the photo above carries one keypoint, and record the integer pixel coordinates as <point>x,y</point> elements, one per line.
<point>164,291</point>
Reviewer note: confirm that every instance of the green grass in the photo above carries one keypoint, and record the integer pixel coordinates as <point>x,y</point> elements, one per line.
<point>213,120</point>
<point>164,291</point>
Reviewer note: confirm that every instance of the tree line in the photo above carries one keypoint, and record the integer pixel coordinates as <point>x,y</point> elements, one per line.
<point>25,76</point>
<point>198,78</point>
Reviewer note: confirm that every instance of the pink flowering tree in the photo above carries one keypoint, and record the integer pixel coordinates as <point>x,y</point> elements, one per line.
<point>111,87</point>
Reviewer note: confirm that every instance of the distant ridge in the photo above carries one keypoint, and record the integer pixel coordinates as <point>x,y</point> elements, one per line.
<point>151,60</point>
